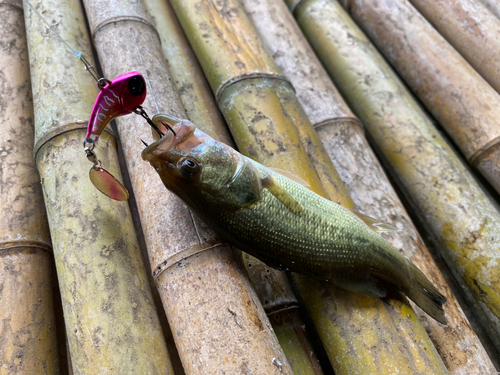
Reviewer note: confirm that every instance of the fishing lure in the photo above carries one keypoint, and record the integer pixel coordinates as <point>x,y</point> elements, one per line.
<point>121,96</point>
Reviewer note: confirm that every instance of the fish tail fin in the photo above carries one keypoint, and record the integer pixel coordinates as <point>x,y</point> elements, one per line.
<point>425,295</point>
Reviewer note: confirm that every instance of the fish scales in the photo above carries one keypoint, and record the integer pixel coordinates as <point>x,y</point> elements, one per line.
<point>281,222</point>
<point>326,240</point>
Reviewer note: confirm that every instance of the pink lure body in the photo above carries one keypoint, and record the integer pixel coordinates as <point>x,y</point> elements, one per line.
<point>119,97</point>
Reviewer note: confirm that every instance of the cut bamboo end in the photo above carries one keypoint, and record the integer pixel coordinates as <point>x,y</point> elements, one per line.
<point>428,172</point>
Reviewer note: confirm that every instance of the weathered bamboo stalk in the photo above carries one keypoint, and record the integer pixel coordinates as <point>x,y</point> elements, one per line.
<point>458,97</point>
<point>110,317</point>
<point>493,6</point>
<point>186,73</point>
<point>281,306</point>
<point>215,316</point>
<point>262,112</point>
<point>28,340</point>
<point>469,27</point>
<point>343,137</point>
<point>454,210</point>
<point>271,286</point>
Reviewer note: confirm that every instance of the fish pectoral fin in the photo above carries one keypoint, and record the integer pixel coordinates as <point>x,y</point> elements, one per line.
<point>291,176</point>
<point>370,287</point>
<point>280,194</point>
<point>375,224</point>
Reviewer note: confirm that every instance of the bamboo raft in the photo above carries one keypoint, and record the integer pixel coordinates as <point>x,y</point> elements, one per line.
<point>147,287</point>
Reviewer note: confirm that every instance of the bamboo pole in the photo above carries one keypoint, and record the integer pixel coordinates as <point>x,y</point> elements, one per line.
<point>186,73</point>
<point>262,112</point>
<point>343,137</point>
<point>110,317</point>
<point>470,28</point>
<point>28,340</point>
<point>493,6</point>
<point>457,96</point>
<point>271,286</point>
<point>455,212</point>
<point>281,306</point>
<point>217,321</point>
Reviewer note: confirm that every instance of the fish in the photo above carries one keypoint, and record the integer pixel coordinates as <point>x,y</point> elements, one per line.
<point>281,222</point>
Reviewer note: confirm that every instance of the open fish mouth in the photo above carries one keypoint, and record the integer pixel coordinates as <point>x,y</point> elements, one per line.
<point>180,136</point>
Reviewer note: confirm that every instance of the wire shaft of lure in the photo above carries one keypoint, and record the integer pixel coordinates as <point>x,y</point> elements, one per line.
<point>88,67</point>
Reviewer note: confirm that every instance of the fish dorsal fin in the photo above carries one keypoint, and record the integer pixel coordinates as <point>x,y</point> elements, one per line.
<point>291,176</point>
<point>280,194</point>
<point>374,224</point>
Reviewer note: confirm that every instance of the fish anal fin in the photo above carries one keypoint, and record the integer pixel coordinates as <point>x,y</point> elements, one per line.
<point>280,194</point>
<point>291,176</point>
<point>375,224</point>
<point>371,286</point>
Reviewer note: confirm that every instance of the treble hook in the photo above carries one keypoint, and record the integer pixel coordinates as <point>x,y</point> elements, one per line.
<point>140,111</point>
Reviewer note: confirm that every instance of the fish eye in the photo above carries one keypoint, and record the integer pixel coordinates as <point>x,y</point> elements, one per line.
<point>136,85</point>
<point>188,166</point>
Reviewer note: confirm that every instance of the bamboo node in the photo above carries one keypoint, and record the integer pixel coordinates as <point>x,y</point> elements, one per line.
<point>338,120</point>
<point>180,256</point>
<point>118,19</point>
<point>250,75</point>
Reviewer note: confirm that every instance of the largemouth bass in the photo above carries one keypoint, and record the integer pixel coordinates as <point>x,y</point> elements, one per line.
<point>281,222</point>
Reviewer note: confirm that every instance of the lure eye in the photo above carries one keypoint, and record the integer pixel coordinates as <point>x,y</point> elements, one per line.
<point>136,85</point>
<point>188,167</point>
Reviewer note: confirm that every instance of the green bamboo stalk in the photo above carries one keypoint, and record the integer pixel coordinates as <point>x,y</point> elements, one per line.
<point>188,78</point>
<point>110,317</point>
<point>458,97</point>
<point>262,110</point>
<point>452,207</point>
<point>28,340</point>
<point>343,137</point>
<point>217,321</point>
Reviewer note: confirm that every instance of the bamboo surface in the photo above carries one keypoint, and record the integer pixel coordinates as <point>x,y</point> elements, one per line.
<point>259,111</point>
<point>28,342</point>
<point>282,308</point>
<point>469,27</point>
<point>271,286</point>
<point>216,319</point>
<point>493,6</point>
<point>456,95</point>
<point>110,317</point>
<point>187,76</point>
<point>343,137</point>
<point>451,206</point>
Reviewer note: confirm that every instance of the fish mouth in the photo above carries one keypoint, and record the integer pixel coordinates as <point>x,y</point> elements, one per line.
<point>181,131</point>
